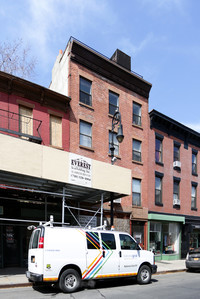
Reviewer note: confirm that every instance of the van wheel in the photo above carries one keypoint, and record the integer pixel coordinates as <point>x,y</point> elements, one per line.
<point>69,281</point>
<point>144,275</point>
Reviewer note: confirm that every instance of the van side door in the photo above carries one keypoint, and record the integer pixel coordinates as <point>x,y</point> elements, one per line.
<point>110,263</point>
<point>129,255</point>
<point>93,255</point>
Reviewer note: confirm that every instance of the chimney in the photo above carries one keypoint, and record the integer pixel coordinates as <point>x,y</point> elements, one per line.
<point>122,59</point>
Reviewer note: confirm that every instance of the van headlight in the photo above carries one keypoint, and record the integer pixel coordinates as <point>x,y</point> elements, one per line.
<point>187,256</point>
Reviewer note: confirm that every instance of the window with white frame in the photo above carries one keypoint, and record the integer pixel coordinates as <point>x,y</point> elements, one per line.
<point>159,149</point>
<point>137,155</point>
<point>137,114</point>
<point>194,196</point>
<point>85,91</point>
<point>194,162</point>
<point>136,192</point>
<point>113,102</point>
<point>158,189</point>
<point>85,134</point>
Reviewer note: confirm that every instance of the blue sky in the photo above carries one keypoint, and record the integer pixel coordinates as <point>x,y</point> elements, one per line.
<point>161,36</point>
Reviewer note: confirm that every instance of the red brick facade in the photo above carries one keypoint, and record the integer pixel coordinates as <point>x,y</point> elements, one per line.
<point>98,115</point>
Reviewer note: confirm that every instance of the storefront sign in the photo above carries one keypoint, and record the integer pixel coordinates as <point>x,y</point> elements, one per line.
<point>83,219</point>
<point>80,170</point>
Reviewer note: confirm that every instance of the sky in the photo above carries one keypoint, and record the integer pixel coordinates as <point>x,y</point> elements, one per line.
<point>161,36</point>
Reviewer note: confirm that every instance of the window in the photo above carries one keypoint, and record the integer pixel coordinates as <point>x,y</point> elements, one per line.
<point>35,239</point>
<point>116,143</point>
<point>56,131</point>
<point>176,190</point>
<point>158,150</point>
<point>113,102</point>
<point>137,114</point>
<point>194,162</point>
<point>158,190</point>
<point>137,150</point>
<point>92,240</point>
<point>25,120</point>
<point>108,241</point>
<point>164,237</point>
<point>194,196</point>
<point>85,91</point>
<point>127,243</point>
<point>176,152</point>
<point>85,134</point>
<point>136,192</point>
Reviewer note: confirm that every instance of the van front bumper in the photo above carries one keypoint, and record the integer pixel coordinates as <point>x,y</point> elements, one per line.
<point>154,269</point>
<point>34,276</point>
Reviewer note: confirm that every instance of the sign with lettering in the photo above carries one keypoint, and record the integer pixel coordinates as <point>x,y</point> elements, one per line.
<point>84,220</point>
<point>80,170</point>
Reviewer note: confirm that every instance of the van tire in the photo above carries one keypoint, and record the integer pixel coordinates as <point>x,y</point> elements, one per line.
<point>69,281</point>
<point>144,275</point>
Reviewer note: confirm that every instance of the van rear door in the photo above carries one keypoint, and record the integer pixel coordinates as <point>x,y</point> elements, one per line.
<point>36,251</point>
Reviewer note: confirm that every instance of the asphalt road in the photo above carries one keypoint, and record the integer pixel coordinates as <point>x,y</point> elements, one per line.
<point>177,285</point>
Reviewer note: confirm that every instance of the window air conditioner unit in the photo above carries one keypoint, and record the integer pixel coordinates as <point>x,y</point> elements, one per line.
<point>177,164</point>
<point>176,202</point>
<point>118,200</point>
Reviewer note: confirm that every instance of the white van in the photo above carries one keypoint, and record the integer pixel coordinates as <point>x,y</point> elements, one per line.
<point>67,255</point>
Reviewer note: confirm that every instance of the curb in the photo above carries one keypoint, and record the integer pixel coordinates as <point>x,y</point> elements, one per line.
<point>15,285</point>
<point>29,284</point>
<point>169,271</point>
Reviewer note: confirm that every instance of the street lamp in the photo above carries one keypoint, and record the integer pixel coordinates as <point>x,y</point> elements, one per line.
<point>116,120</point>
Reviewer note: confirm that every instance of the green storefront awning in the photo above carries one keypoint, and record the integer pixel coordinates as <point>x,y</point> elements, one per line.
<point>170,218</point>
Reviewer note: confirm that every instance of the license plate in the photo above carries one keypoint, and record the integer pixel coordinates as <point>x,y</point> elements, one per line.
<point>196,259</point>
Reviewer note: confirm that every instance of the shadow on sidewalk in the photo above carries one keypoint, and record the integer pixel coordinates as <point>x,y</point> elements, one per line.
<point>12,271</point>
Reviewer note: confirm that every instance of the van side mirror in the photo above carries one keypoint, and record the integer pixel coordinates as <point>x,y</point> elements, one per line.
<point>138,247</point>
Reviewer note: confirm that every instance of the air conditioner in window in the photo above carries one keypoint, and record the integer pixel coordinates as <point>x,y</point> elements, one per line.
<point>177,164</point>
<point>176,202</point>
<point>118,200</point>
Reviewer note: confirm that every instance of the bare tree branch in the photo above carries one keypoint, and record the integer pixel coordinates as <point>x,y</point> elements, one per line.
<point>16,59</point>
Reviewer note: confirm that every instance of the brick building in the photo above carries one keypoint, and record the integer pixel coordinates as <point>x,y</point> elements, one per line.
<point>174,198</point>
<point>38,175</point>
<point>98,86</point>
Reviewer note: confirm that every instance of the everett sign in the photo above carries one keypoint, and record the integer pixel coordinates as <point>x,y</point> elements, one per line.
<point>80,170</point>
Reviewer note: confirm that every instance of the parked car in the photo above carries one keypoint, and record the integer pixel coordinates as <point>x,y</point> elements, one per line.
<point>193,259</point>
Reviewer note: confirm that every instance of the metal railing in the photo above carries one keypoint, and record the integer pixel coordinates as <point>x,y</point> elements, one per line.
<point>19,125</point>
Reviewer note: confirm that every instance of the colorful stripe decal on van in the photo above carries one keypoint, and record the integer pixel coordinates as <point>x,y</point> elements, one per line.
<point>98,262</point>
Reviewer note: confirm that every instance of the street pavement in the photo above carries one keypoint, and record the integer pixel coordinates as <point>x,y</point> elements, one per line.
<point>15,277</point>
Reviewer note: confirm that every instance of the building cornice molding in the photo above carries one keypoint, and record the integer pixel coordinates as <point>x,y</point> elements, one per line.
<point>46,97</point>
<point>105,67</point>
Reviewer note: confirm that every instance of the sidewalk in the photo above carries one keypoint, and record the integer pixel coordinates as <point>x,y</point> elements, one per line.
<point>15,277</point>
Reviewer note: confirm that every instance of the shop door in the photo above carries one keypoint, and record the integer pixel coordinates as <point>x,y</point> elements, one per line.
<point>138,232</point>
<point>11,246</point>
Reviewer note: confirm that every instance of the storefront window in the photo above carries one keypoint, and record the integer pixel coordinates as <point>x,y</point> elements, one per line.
<point>194,240</point>
<point>164,238</point>
<point>170,238</point>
